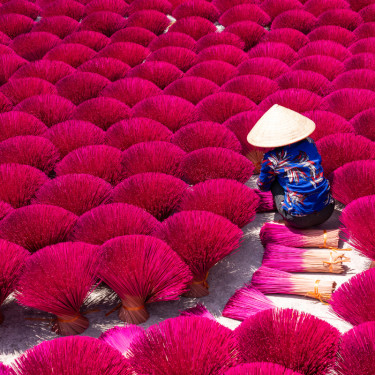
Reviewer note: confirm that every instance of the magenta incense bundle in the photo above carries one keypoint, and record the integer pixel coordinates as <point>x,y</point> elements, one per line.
<point>142,269</point>
<point>159,72</point>
<point>77,193</point>
<point>120,338</point>
<point>36,226</point>
<point>292,259</point>
<point>19,183</point>
<point>98,160</point>
<point>155,156</point>
<point>12,261</point>
<point>184,345</point>
<point>354,301</point>
<point>126,133</point>
<point>214,163</point>
<point>193,89</point>
<point>246,302</point>
<point>49,70</point>
<point>112,220</point>
<point>108,67</point>
<point>227,198</point>
<point>272,281</point>
<point>198,310</point>
<point>57,280</point>
<point>69,135</point>
<point>296,340</point>
<point>357,350</point>
<point>261,368</point>
<point>131,90</point>
<point>69,355</point>
<point>203,134</point>
<point>201,239</point>
<point>158,193</point>
<point>283,235</point>
<point>358,218</point>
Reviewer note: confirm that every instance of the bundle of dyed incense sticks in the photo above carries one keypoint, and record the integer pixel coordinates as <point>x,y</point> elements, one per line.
<point>291,259</point>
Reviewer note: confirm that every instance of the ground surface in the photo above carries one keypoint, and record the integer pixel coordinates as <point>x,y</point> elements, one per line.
<point>17,333</point>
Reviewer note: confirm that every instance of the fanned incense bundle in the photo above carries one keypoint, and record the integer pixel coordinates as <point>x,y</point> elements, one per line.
<point>131,90</point>
<point>104,22</point>
<point>57,279</point>
<point>68,8</point>
<point>357,350</point>
<point>198,8</point>
<point>198,310</point>
<point>184,345</point>
<point>69,135</point>
<point>9,64</point>
<point>155,156</point>
<point>283,235</point>
<point>51,71</point>
<point>116,6</point>
<point>142,269</point>
<point>101,111</point>
<point>335,33</point>
<point>72,355</point>
<point>61,26</point>
<point>202,239</point>
<point>108,221</point>
<point>215,70</point>
<point>214,39</point>
<point>171,111</point>
<point>173,39</point>
<point>157,193</point>
<point>358,218</point>
<point>194,26</point>
<point>272,281</point>
<point>108,67</point>
<point>37,152</point>
<point>120,338</point>
<point>16,123</point>
<point>81,86</point>
<point>50,109</point>
<point>353,180</point>
<point>214,163</point>
<point>98,160</point>
<point>91,39</point>
<point>204,134</point>
<point>245,12</point>
<point>159,72</point>
<point>72,54</point>
<point>19,183</point>
<point>127,133</point>
<point>193,89</point>
<point>12,261</point>
<point>246,302</point>
<point>290,338</point>
<point>23,88</point>
<point>261,368</point>
<point>77,193</point>
<point>292,259</point>
<point>36,226</point>
<point>228,198</point>
<point>354,301</point>
<point>150,19</point>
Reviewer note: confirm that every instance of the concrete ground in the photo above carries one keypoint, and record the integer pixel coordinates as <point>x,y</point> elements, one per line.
<point>18,334</point>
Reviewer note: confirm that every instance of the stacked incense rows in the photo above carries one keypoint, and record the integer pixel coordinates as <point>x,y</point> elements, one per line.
<point>123,125</point>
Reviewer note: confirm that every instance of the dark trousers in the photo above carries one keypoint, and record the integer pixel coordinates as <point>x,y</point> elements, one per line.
<point>306,221</point>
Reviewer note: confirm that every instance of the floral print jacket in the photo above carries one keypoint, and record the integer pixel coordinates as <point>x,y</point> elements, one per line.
<point>297,168</point>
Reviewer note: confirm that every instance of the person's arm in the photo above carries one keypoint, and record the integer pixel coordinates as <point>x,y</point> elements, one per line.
<point>267,173</point>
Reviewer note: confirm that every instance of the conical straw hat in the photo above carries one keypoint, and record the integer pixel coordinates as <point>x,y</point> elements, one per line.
<point>280,126</point>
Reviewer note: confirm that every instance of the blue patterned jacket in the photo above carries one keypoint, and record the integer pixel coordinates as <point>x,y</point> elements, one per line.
<point>297,167</point>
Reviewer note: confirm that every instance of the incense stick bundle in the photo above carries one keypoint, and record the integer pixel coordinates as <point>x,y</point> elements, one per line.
<point>271,281</point>
<point>287,236</point>
<point>292,259</point>
<point>246,302</point>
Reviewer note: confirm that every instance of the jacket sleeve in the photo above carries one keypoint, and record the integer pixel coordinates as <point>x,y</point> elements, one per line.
<point>267,173</point>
